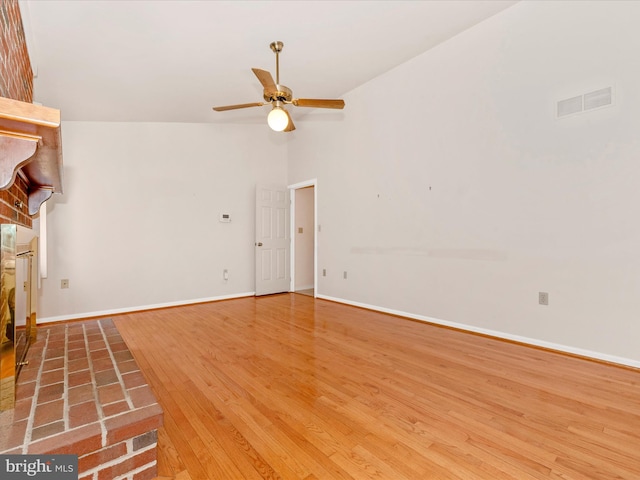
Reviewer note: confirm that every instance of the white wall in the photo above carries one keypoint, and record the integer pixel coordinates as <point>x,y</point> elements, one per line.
<point>138,225</point>
<point>450,192</point>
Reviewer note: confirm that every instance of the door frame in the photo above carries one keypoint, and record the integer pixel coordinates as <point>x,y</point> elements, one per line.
<point>292,263</point>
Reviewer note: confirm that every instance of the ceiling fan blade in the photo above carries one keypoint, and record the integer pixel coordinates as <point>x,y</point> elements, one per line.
<point>265,79</point>
<point>318,103</point>
<point>241,105</point>
<point>290,126</point>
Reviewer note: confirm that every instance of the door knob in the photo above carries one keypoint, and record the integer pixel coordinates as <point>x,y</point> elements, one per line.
<point>259,244</point>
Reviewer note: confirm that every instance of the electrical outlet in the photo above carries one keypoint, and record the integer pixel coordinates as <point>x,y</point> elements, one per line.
<point>64,283</point>
<point>543,298</point>
<point>225,274</point>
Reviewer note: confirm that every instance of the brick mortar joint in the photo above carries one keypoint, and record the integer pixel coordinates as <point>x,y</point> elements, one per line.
<point>121,459</point>
<point>115,367</point>
<point>34,402</point>
<point>140,469</point>
<point>65,395</point>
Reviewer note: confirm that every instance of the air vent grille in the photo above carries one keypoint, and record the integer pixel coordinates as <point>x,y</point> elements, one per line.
<point>587,101</point>
<point>569,106</point>
<point>599,98</point>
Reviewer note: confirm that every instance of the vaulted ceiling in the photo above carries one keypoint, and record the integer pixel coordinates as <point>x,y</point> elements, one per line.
<point>171,61</point>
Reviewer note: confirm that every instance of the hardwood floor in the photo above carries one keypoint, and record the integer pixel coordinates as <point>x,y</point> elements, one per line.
<point>290,387</point>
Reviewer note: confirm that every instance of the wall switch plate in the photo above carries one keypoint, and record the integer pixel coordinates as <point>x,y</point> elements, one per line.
<point>344,275</point>
<point>324,272</point>
<point>543,298</point>
<point>299,229</point>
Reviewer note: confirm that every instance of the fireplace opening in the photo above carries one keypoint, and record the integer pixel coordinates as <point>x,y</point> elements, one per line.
<point>23,314</point>
<point>18,295</point>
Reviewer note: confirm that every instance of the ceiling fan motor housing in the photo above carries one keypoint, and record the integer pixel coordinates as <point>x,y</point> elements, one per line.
<point>282,94</point>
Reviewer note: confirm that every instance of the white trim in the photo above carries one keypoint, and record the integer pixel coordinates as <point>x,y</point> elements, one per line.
<point>493,333</point>
<point>306,183</point>
<point>42,242</point>
<point>292,260</point>
<point>116,311</point>
<point>292,243</point>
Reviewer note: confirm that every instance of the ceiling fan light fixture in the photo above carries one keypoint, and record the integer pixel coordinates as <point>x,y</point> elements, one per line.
<point>278,118</point>
<point>278,95</point>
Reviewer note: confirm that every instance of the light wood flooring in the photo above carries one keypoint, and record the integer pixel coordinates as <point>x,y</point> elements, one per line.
<point>292,387</point>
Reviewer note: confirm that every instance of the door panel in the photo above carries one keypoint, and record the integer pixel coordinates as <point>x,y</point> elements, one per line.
<point>272,239</point>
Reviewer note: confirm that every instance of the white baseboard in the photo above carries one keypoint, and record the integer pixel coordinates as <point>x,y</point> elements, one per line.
<point>493,333</point>
<point>116,311</point>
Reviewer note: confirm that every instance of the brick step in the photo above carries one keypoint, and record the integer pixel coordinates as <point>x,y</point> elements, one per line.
<point>82,393</point>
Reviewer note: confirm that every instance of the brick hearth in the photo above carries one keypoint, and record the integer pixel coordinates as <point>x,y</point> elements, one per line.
<point>83,393</point>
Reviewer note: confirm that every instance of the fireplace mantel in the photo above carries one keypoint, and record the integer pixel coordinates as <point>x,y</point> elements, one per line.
<point>30,146</point>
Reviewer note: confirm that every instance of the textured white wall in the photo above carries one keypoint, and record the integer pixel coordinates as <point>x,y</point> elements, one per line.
<point>450,190</point>
<point>138,222</point>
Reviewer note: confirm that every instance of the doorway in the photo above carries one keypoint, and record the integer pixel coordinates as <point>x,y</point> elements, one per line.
<point>304,241</point>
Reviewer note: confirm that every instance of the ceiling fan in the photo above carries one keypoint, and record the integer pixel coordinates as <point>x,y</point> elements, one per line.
<point>278,95</point>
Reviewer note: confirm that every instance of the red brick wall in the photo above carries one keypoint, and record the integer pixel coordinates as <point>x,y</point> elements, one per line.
<point>13,204</point>
<point>16,76</point>
<point>16,82</point>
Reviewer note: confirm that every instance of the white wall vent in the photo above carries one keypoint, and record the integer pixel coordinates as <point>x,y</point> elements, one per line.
<point>588,101</point>
<point>569,106</point>
<point>599,98</point>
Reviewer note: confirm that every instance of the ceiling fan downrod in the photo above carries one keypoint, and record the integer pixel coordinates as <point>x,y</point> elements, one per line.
<point>276,47</point>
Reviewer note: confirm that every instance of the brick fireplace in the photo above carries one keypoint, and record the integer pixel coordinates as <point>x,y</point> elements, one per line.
<point>16,82</point>
<point>83,393</point>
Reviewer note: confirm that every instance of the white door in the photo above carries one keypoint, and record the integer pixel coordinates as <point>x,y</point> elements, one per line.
<point>272,239</point>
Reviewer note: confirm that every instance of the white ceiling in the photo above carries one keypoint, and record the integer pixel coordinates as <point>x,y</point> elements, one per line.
<point>171,61</point>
